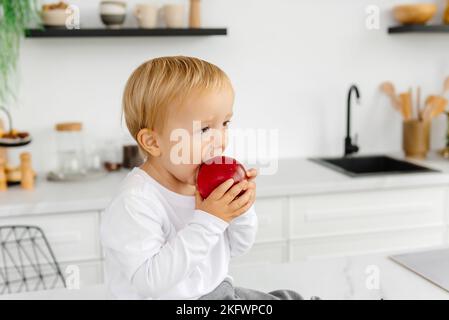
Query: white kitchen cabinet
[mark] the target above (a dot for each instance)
(74, 239)
(367, 242)
(268, 252)
(292, 226)
(89, 272)
(72, 236)
(347, 223)
(272, 216)
(366, 211)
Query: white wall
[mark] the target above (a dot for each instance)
(291, 62)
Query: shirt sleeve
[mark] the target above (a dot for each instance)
(150, 262)
(242, 232)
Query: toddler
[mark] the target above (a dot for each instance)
(161, 239)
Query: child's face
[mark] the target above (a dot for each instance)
(202, 121)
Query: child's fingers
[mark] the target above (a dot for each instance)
(243, 209)
(234, 191)
(241, 201)
(198, 198)
(251, 185)
(251, 173)
(221, 189)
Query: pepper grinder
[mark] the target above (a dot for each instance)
(27, 179)
(3, 182)
(195, 14)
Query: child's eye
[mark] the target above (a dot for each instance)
(226, 123)
(205, 129)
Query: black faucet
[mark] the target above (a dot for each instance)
(349, 147)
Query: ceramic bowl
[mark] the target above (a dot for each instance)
(54, 18)
(414, 13)
(113, 13)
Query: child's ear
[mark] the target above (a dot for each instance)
(147, 140)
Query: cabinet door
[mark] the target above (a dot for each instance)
(84, 273)
(271, 214)
(367, 242)
(343, 213)
(77, 275)
(72, 236)
(275, 252)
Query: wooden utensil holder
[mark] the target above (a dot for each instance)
(416, 138)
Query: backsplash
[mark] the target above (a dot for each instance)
(291, 63)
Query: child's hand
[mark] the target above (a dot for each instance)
(223, 201)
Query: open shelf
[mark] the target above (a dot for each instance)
(123, 32)
(419, 29)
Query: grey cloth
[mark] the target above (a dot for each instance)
(226, 291)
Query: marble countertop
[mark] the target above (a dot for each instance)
(361, 277)
(367, 277)
(295, 176)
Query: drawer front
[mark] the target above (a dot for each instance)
(366, 211)
(270, 213)
(72, 236)
(263, 253)
(85, 273)
(366, 243)
(76, 274)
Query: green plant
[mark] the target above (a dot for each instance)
(15, 17)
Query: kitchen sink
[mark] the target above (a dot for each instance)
(371, 165)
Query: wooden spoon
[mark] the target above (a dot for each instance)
(388, 88)
(440, 104)
(406, 105)
(435, 105)
(446, 86)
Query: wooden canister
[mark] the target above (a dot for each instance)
(416, 138)
(3, 154)
(195, 14)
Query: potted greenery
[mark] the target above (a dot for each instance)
(15, 17)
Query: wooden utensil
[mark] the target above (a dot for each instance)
(406, 105)
(388, 88)
(418, 101)
(425, 113)
(435, 105)
(439, 105)
(446, 86)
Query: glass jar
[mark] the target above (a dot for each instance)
(112, 155)
(70, 149)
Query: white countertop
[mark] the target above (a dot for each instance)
(295, 176)
(328, 278)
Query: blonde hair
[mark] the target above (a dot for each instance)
(159, 82)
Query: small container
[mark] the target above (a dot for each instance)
(70, 149)
(416, 138)
(112, 156)
(131, 156)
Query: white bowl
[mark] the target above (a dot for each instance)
(55, 18)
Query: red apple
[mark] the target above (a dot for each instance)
(217, 170)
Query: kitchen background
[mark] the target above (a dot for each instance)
(291, 63)
(293, 60)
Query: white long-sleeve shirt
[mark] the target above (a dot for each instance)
(158, 246)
